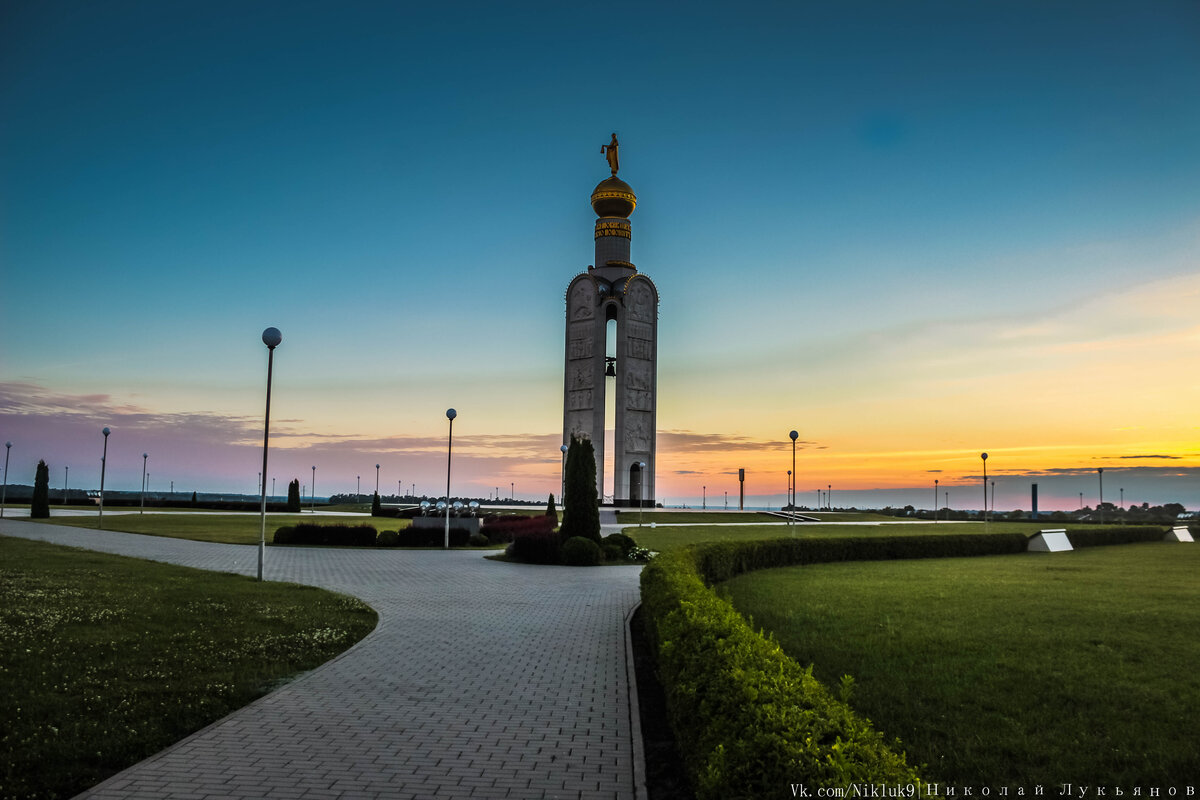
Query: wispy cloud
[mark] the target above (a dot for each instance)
(685, 441)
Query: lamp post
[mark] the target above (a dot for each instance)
(985, 516)
(1122, 498)
(641, 491)
(376, 479)
(450, 415)
(142, 510)
(794, 435)
(1081, 501)
(103, 463)
(829, 496)
(1100, 472)
(312, 492)
(935, 508)
(4, 493)
(66, 483)
(992, 506)
(789, 491)
(271, 337)
(512, 492)
(704, 498)
(272, 488)
(358, 488)
(562, 491)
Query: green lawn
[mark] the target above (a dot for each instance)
(211, 527)
(107, 660)
(1036, 668)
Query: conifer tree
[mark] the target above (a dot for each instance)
(39, 508)
(376, 507)
(581, 515)
(293, 501)
(551, 511)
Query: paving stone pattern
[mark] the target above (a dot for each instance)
(482, 679)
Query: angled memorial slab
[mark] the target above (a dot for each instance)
(1179, 533)
(1052, 540)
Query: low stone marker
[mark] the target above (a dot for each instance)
(1179, 533)
(1051, 540)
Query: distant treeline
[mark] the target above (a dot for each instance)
(1133, 514)
(409, 499)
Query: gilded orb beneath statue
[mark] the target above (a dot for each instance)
(613, 197)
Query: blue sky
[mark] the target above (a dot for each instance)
(833, 198)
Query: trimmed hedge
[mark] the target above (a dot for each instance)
(335, 535)
(750, 721)
(538, 547)
(1098, 537)
(500, 529)
(432, 537)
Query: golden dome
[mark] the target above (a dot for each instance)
(613, 197)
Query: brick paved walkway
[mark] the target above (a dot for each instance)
(482, 679)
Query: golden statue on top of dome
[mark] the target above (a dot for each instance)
(610, 150)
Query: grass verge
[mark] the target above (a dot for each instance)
(108, 659)
(1023, 669)
(211, 527)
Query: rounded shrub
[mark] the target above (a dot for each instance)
(612, 551)
(580, 552)
(285, 535)
(388, 539)
(626, 543)
(478, 540)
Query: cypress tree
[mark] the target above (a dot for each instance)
(293, 501)
(551, 511)
(39, 508)
(581, 517)
(376, 508)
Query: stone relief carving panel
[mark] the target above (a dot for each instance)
(581, 347)
(579, 400)
(638, 433)
(581, 376)
(641, 301)
(583, 300)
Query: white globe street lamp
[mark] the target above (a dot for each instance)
(794, 435)
(142, 510)
(271, 337)
(641, 490)
(985, 514)
(103, 463)
(450, 415)
(4, 494)
(562, 492)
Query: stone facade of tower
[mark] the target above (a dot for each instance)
(613, 289)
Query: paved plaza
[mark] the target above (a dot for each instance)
(482, 679)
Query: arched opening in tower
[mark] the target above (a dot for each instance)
(635, 484)
(610, 405)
